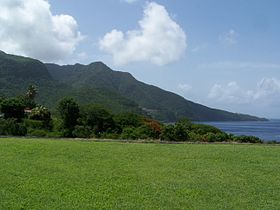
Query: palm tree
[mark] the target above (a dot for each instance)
(31, 92)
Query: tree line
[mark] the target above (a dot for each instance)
(22, 116)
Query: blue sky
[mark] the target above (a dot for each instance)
(222, 53)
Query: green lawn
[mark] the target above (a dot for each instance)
(59, 174)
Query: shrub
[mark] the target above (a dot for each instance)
(110, 136)
(195, 137)
(181, 132)
(82, 131)
(125, 120)
(12, 127)
(41, 113)
(38, 133)
(33, 124)
(152, 128)
(129, 133)
(247, 139)
(221, 137)
(167, 133)
(12, 108)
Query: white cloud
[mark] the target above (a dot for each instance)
(229, 38)
(267, 91)
(29, 28)
(159, 39)
(184, 88)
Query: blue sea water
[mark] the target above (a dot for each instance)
(266, 130)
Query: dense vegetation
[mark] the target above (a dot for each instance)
(97, 83)
(23, 116)
(57, 174)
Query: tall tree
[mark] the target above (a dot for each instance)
(29, 98)
(31, 92)
(69, 112)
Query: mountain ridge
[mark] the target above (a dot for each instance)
(98, 83)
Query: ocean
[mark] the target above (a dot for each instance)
(266, 130)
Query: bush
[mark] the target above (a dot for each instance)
(167, 133)
(181, 132)
(209, 137)
(125, 120)
(12, 127)
(195, 137)
(110, 136)
(152, 128)
(37, 133)
(247, 139)
(34, 124)
(221, 137)
(129, 133)
(42, 114)
(82, 131)
(12, 108)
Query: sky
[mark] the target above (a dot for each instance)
(221, 53)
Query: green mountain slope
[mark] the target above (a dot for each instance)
(97, 83)
(160, 104)
(17, 72)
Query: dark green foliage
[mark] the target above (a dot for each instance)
(82, 131)
(247, 139)
(97, 118)
(42, 114)
(38, 133)
(181, 130)
(12, 108)
(168, 133)
(127, 119)
(69, 112)
(10, 126)
(34, 124)
(178, 132)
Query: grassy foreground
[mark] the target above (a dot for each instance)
(59, 174)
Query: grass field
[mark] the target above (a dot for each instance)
(60, 174)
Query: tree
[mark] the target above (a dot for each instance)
(29, 98)
(41, 113)
(99, 119)
(12, 108)
(69, 112)
(125, 120)
(31, 92)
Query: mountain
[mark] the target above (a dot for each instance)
(97, 83)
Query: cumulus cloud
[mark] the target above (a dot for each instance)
(159, 39)
(27, 27)
(229, 38)
(266, 91)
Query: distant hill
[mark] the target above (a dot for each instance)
(97, 83)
